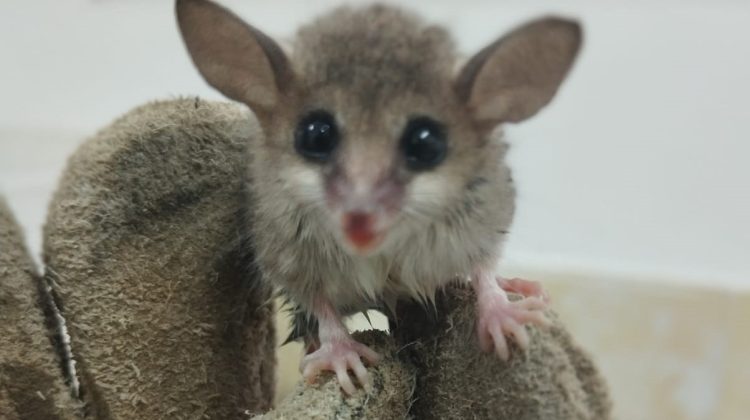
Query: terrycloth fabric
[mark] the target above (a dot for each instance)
(392, 383)
(31, 384)
(554, 379)
(144, 244)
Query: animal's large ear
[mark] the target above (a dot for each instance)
(240, 61)
(517, 75)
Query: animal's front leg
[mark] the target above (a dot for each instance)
(337, 351)
(498, 317)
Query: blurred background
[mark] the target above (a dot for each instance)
(634, 187)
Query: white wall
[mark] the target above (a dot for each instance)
(639, 166)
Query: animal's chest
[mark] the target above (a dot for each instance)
(366, 281)
(359, 282)
(311, 264)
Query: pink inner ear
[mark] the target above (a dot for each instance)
(517, 75)
(514, 104)
(486, 107)
(238, 60)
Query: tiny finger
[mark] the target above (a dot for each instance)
(501, 346)
(344, 380)
(310, 372)
(536, 318)
(521, 286)
(532, 303)
(369, 354)
(360, 372)
(485, 339)
(519, 334)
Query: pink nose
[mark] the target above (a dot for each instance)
(360, 229)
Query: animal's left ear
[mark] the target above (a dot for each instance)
(240, 61)
(517, 75)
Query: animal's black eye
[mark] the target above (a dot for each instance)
(316, 136)
(423, 144)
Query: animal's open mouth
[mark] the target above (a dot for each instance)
(361, 231)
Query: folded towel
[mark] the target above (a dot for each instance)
(435, 349)
(146, 248)
(144, 244)
(392, 385)
(31, 381)
(553, 379)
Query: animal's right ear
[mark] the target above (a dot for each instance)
(517, 75)
(240, 61)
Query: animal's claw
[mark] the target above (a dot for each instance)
(340, 357)
(499, 317)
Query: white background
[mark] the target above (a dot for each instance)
(639, 167)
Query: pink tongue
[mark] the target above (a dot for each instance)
(358, 228)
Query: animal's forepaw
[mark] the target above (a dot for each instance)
(526, 288)
(340, 357)
(499, 317)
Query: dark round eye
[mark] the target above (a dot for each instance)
(316, 136)
(423, 144)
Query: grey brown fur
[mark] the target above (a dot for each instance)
(422, 245)
(420, 249)
(31, 381)
(377, 54)
(373, 72)
(144, 243)
(374, 68)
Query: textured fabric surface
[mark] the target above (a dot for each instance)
(31, 384)
(146, 249)
(390, 396)
(553, 379)
(144, 243)
(434, 370)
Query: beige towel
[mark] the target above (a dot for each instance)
(553, 380)
(144, 242)
(389, 398)
(31, 381)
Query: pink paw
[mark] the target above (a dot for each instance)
(499, 317)
(526, 288)
(340, 357)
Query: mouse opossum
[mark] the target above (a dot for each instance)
(380, 174)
